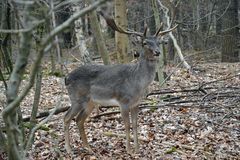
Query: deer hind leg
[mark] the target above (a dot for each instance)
(126, 121)
(134, 114)
(82, 116)
(71, 113)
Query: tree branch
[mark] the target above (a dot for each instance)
(44, 44)
(46, 113)
(165, 10)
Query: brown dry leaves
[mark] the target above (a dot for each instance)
(166, 133)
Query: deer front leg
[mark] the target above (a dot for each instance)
(67, 137)
(125, 117)
(134, 114)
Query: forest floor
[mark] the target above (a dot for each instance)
(193, 116)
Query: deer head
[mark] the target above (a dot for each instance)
(149, 43)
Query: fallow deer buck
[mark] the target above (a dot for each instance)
(120, 85)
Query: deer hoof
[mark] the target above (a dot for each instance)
(68, 148)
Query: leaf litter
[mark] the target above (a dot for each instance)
(196, 116)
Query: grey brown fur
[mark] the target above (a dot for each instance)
(122, 85)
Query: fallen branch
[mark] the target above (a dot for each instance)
(157, 92)
(188, 89)
(186, 101)
(106, 113)
(46, 113)
(178, 145)
(221, 79)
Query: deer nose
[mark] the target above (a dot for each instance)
(157, 52)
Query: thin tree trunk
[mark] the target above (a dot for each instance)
(3, 142)
(81, 40)
(121, 39)
(171, 51)
(5, 38)
(58, 49)
(36, 101)
(2, 79)
(160, 66)
(14, 135)
(101, 46)
(230, 31)
(178, 49)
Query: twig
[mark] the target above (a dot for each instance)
(174, 91)
(182, 146)
(40, 124)
(17, 31)
(220, 79)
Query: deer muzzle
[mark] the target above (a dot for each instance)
(157, 52)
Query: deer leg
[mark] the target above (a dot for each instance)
(71, 113)
(125, 117)
(67, 137)
(134, 114)
(82, 116)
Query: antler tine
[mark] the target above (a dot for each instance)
(111, 23)
(159, 29)
(167, 31)
(145, 30)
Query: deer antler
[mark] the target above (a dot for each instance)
(167, 31)
(160, 27)
(111, 23)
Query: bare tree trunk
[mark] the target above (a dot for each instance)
(102, 50)
(38, 85)
(3, 142)
(5, 38)
(230, 31)
(121, 39)
(63, 15)
(57, 45)
(160, 66)
(81, 40)
(171, 51)
(53, 64)
(178, 49)
(3, 79)
(14, 135)
(36, 97)
(36, 100)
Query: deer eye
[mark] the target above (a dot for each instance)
(144, 43)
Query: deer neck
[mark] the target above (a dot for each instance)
(146, 69)
(148, 62)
